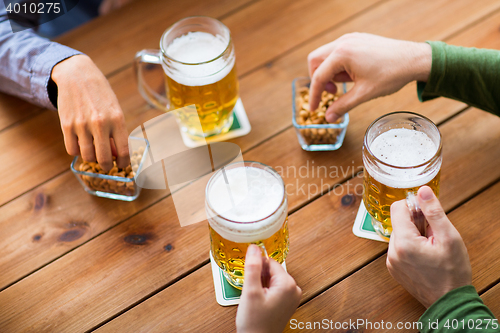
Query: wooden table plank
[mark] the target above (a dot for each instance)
(273, 84)
(322, 230)
(388, 301)
(257, 26)
(40, 226)
(119, 276)
(14, 110)
(112, 40)
(291, 156)
(492, 299)
(124, 82)
(32, 153)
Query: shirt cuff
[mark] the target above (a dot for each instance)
(459, 304)
(427, 90)
(42, 70)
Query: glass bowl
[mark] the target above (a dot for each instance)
(330, 137)
(113, 187)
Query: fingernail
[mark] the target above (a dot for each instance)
(426, 193)
(332, 117)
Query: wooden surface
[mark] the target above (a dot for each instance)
(72, 262)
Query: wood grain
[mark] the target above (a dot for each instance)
(322, 230)
(90, 274)
(14, 110)
(325, 223)
(257, 26)
(492, 300)
(112, 40)
(269, 88)
(388, 301)
(281, 151)
(123, 83)
(34, 152)
(47, 227)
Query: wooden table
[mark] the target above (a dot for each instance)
(66, 260)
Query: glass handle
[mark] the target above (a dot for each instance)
(142, 60)
(417, 217)
(265, 276)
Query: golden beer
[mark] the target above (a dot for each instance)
(198, 61)
(401, 153)
(214, 103)
(379, 197)
(250, 208)
(230, 256)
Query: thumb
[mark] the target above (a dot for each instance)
(346, 102)
(253, 269)
(433, 211)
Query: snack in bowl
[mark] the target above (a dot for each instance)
(117, 183)
(307, 117)
(313, 131)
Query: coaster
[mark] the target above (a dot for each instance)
(363, 225)
(241, 126)
(225, 294)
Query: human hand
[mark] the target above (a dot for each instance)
(427, 267)
(377, 65)
(262, 309)
(91, 118)
(108, 6)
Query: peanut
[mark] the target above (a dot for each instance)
(317, 117)
(112, 186)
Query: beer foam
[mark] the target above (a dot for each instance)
(256, 194)
(402, 147)
(194, 48)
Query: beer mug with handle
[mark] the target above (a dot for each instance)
(198, 61)
(402, 151)
(246, 203)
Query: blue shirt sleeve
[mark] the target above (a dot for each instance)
(26, 62)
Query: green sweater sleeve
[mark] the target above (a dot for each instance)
(460, 310)
(469, 75)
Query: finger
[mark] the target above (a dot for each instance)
(120, 138)
(103, 149)
(331, 87)
(402, 226)
(323, 74)
(433, 211)
(113, 147)
(316, 57)
(275, 269)
(253, 270)
(346, 102)
(87, 149)
(71, 144)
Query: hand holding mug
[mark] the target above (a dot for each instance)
(266, 309)
(427, 267)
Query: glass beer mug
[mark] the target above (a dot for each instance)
(198, 61)
(246, 203)
(401, 153)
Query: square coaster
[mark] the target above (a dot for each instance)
(241, 126)
(363, 225)
(225, 294)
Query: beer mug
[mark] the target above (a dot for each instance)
(401, 153)
(198, 61)
(246, 203)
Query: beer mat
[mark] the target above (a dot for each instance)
(225, 294)
(363, 225)
(241, 126)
